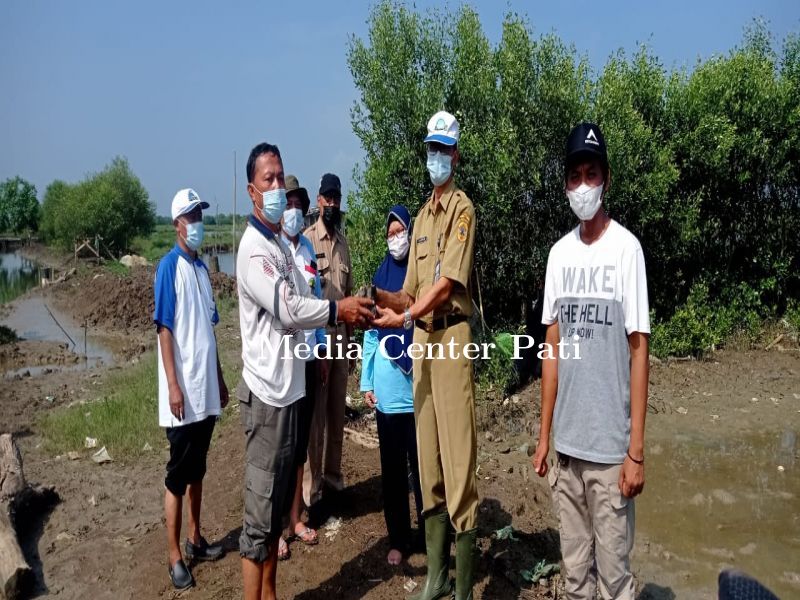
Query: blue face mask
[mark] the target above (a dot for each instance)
(292, 221)
(274, 203)
(194, 235)
(440, 166)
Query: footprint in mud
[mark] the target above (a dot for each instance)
(697, 500)
(722, 553)
(748, 549)
(723, 496)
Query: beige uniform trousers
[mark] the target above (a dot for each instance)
(444, 409)
(324, 463)
(596, 524)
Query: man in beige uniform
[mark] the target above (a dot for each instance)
(436, 299)
(324, 465)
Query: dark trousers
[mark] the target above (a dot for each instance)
(399, 466)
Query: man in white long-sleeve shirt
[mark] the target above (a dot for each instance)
(275, 306)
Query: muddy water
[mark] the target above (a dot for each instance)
(17, 276)
(713, 503)
(225, 262)
(33, 318)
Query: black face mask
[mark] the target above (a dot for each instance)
(331, 216)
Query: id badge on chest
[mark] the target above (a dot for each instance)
(438, 268)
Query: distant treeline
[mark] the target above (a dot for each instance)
(209, 218)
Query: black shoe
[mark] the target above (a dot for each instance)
(203, 550)
(181, 577)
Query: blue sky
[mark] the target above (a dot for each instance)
(177, 87)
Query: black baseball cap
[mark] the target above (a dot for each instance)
(585, 141)
(330, 184)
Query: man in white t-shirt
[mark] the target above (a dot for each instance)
(595, 396)
(191, 390)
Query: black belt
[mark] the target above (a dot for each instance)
(440, 323)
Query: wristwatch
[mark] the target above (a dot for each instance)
(407, 322)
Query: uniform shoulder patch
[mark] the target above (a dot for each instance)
(462, 227)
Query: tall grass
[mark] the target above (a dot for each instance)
(123, 418)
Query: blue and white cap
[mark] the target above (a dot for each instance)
(185, 201)
(443, 129)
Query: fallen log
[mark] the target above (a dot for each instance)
(16, 575)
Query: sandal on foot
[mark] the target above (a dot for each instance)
(308, 536)
(283, 550)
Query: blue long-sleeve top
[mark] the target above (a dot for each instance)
(380, 375)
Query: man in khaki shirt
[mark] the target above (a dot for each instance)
(324, 466)
(436, 299)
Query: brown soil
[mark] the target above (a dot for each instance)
(32, 353)
(105, 539)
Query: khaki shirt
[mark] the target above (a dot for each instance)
(444, 241)
(333, 261)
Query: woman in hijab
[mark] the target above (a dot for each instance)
(386, 379)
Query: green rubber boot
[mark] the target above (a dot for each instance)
(465, 563)
(437, 583)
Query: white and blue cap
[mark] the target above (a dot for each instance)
(443, 129)
(185, 201)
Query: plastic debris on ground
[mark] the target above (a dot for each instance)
(90, 442)
(102, 456)
(332, 527)
(409, 585)
(506, 533)
(542, 570)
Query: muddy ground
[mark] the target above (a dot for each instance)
(105, 538)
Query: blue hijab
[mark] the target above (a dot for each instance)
(390, 277)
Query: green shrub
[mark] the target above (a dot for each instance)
(704, 323)
(496, 376)
(7, 335)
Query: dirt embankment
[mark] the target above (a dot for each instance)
(120, 303)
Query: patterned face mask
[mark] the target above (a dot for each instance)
(398, 245)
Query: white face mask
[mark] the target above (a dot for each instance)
(292, 221)
(585, 200)
(398, 245)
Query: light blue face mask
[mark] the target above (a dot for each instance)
(194, 235)
(440, 166)
(274, 203)
(292, 221)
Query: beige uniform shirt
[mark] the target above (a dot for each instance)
(443, 245)
(333, 261)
